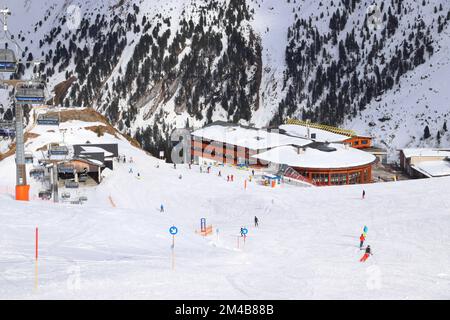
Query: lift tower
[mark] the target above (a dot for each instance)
(22, 188)
(24, 93)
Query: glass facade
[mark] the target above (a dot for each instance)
(336, 178)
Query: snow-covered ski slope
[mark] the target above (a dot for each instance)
(305, 248)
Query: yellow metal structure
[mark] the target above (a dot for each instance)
(344, 132)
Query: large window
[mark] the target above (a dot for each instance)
(366, 175)
(354, 177)
(339, 178)
(321, 178)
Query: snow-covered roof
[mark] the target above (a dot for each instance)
(96, 150)
(254, 139)
(343, 157)
(439, 168)
(87, 160)
(321, 135)
(426, 152)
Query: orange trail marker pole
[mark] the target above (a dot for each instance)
(173, 252)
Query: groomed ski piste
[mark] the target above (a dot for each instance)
(118, 245)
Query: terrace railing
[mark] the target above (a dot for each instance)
(293, 174)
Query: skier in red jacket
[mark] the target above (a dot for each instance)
(361, 239)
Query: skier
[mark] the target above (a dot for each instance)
(232, 178)
(220, 173)
(361, 239)
(189, 166)
(174, 165)
(162, 208)
(365, 231)
(253, 172)
(180, 177)
(366, 254)
(228, 178)
(131, 170)
(124, 159)
(242, 232)
(256, 221)
(363, 194)
(138, 175)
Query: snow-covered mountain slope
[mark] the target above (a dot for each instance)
(152, 66)
(422, 99)
(118, 244)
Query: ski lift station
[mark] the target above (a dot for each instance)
(71, 166)
(316, 155)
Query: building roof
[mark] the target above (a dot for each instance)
(321, 135)
(254, 139)
(341, 157)
(426, 152)
(85, 160)
(439, 168)
(96, 150)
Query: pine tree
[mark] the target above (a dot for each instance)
(426, 133)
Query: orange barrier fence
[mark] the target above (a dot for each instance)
(208, 231)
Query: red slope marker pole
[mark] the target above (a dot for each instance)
(37, 244)
(36, 283)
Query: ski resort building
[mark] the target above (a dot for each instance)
(425, 163)
(323, 164)
(233, 144)
(314, 160)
